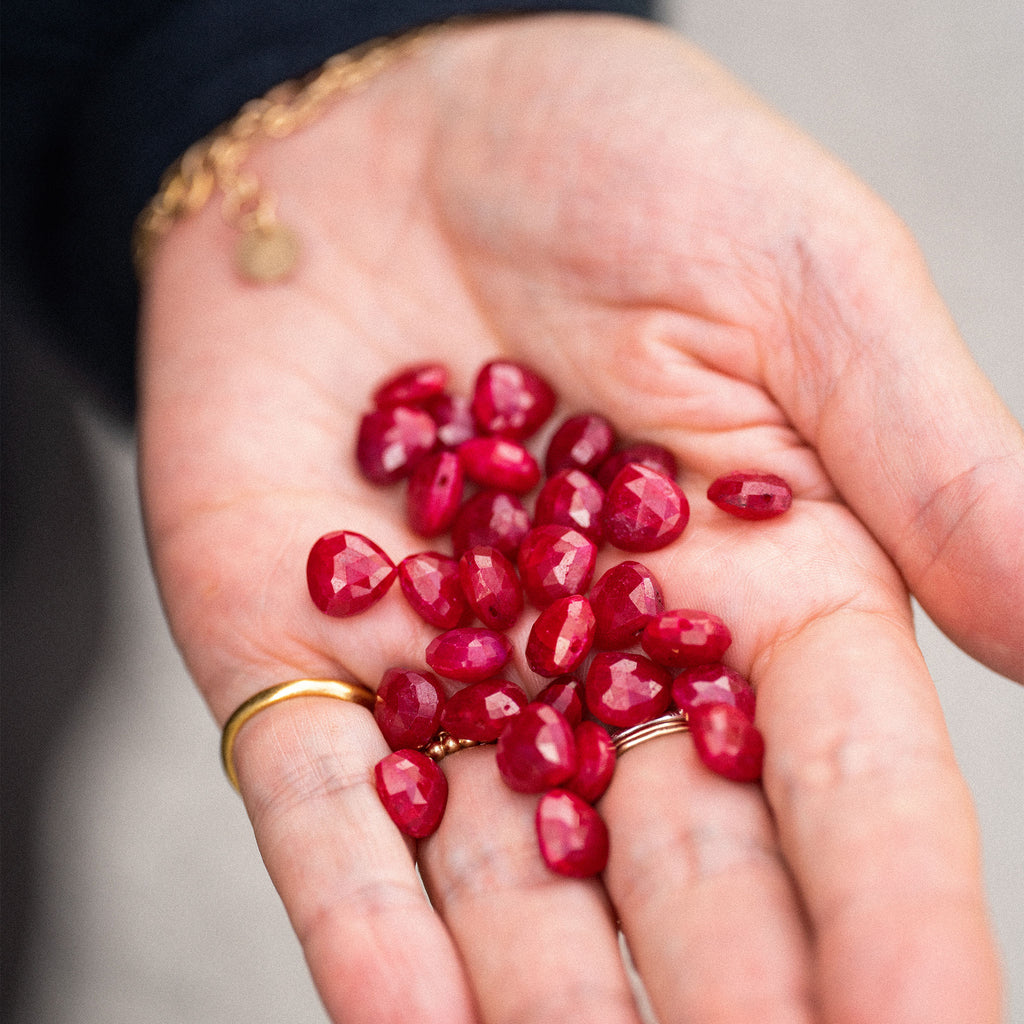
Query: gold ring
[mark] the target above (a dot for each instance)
(675, 721)
(285, 691)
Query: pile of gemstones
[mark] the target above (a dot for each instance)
(616, 657)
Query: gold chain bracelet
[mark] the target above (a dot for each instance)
(268, 250)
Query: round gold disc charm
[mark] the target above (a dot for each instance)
(267, 254)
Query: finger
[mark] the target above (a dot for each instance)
(375, 948)
(705, 901)
(911, 432)
(538, 947)
(876, 824)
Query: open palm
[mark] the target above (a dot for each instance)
(593, 197)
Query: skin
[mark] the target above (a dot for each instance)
(594, 197)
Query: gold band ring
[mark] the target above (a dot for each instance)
(636, 734)
(335, 688)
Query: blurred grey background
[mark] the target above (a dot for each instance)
(148, 900)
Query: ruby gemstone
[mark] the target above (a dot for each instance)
(572, 836)
(683, 637)
(555, 561)
(481, 710)
(624, 600)
(727, 741)
(713, 684)
(571, 498)
(581, 442)
(751, 495)
(644, 510)
(499, 462)
(413, 790)
(511, 399)
(561, 636)
(408, 708)
(653, 456)
(454, 419)
(626, 689)
(391, 441)
(469, 653)
(536, 750)
(595, 754)
(430, 583)
(491, 518)
(412, 386)
(564, 695)
(434, 493)
(347, 573)
(491, 586)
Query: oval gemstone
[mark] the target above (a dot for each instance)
(644, 510)
(413, 790)
(685, 637)
(434, 493)
(480, 711)
(653, 456)
(624, 600)
(491, 586)
(469, 653)
(454, 419)
(430, 583)
(713, 684)
(391, 441)
(347, 573)
(751, 495)
(555, 561)
(727, 741)
(536, 750)
(571, 498)
(564, 695)
(408, 708)
(572, 836)
(491, 519)
(499, 462)
(412, 386)
(561, 636)
(511, 399)
(626, 689)
(595, 754)
(581, 442)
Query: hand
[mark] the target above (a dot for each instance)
(594, 197)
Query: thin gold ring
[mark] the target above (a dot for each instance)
(673, 722)
(335, 688)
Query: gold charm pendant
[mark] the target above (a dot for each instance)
(267, 254)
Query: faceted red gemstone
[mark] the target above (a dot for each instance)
(480, 711)
(536, 750)
(685, 637)
(412, 386)
(727, 741)
(643, 510)
(563, 694)
(555, 561)
(491, 586)
(751, 495)
(454, 419)
(469, 653)
(511, 399)
(713, 684)
(491, 518)
(434, 493)
(572, 836)
(346, 573)
(413, 790)
(653, 456)
(571, 498)
(595, 753)
(581, 442)
(430, 583)
(626, 689)
(391, 441)
(561, 636)
(624, 600)
(499, 462)
(408, 708)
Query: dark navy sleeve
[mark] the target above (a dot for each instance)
(100, 97)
